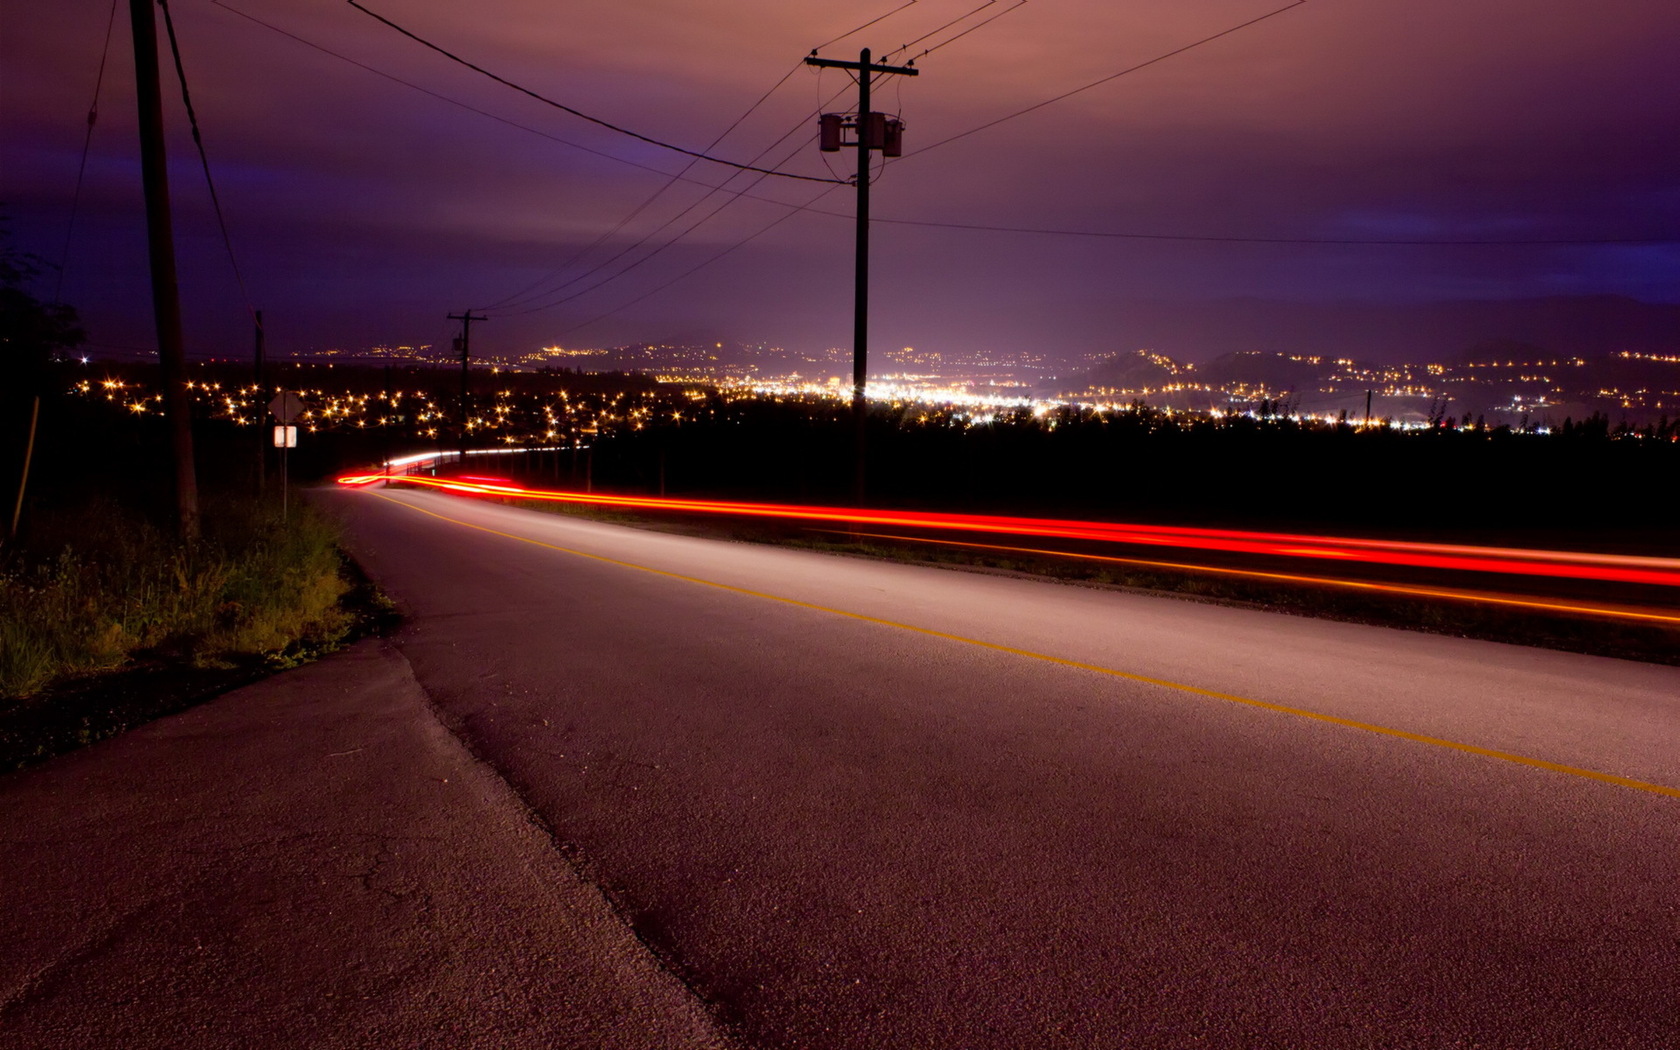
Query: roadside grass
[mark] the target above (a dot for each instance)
(106, 622)
(109, 586)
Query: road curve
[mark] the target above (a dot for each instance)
(864, 804)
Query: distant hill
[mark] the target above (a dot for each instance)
(1500, 380)
(1253, 368)
(1383, 332)
(1493, 351)
(1157, 378)
(1137, 370)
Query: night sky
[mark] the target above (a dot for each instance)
(363, 211)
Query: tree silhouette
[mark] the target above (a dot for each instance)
(32, 334)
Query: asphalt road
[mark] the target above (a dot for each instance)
(861, 804)
(309, 862)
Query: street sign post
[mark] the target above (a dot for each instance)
(286, 407)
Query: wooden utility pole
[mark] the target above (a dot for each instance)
(262, 398)
(29, 454)
(466, 318)
(166, 296)
(871, 135)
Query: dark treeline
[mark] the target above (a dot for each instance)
(86, 450)
(1144, 464)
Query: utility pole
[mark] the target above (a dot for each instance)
(166, 296)
(466, 318)
(874, 131)
(262, 398)
(29, 453)
(385, 427)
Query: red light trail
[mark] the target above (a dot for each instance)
(1611, 568)
(1479, 597)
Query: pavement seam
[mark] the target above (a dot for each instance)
(570, 854)
(40, 985)
(1265, 705)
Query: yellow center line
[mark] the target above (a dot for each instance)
(1163, 683)
(1324, 581)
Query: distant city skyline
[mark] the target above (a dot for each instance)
(1501, 384)
(364, 210)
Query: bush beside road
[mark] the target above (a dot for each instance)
(106, 622)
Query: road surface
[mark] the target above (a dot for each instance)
(313, 862)
(863, 804)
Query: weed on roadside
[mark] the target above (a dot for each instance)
(103, 586)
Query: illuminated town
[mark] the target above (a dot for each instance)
(559, 395)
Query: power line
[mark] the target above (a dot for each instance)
(538, 307)
(686, 273)
(1380, 242)
(501, 119)
(977, 227)
(671, 178)
(1219, 239)
(865, 25)
(734, 196)
(203, 158)
(454, 101)
(523, 294)
(87, 143)
(793, 208)
(738, 194)
(979, 25)
(1104, 80)
(578, 113)
(905, 47)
